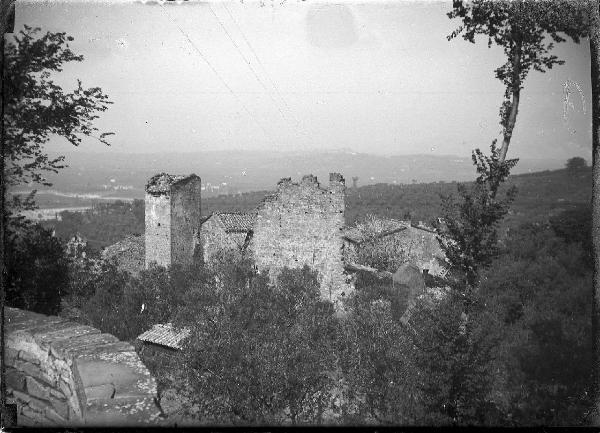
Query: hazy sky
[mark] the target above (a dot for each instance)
(372, 77)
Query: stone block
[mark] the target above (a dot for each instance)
(21, 396)
(33, 370)
(37, 389)
(15, 379)
(92, 351)
(11, 355)
(38, 405)
(55, 418)
(66, 388)
(28, 417)
(100, 392)
(34, 325)
(64, 348)
(57, 394)
(60, 406)
(71, 331)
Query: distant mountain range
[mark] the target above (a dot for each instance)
(230, 172)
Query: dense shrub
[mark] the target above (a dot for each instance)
(37, 276)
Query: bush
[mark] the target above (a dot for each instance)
(37, 276)
(259, 353)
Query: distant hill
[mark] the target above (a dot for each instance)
(100, 176)
(540, 196)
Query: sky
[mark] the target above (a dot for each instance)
(377, 77)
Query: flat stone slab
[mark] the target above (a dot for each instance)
(33, 324)
(75, 330)
(123, 370)
(103, 376)
(93, 351)
(78, 344)
(122, 413)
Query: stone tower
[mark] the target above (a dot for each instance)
(172, 218)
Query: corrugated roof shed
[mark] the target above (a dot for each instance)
(165, 335)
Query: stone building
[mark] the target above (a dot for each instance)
(225, 232)
(128, 253)
(300, 224)
(418, 243)
(172, 218)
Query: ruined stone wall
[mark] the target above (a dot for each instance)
(214, 239)
(60, 373)
(300, 225)
(185, 220)
(423, 249)
(158, 229)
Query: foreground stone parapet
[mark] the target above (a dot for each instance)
(61, 373)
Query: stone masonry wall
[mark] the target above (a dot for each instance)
(423, 249)
(60, 373)
(301, 225)
(158, 229)
(214, 239)
(185, 219)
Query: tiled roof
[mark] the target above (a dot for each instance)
(237, 222)
(162, 182)
(391, 226)
(128, 243)
(129, 253)
(422, 226)
(352, 234)
(165, 335)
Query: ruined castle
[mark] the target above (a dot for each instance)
(299, 224)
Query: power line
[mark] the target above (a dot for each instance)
(217, 74)
(246, 61)
(256, 57)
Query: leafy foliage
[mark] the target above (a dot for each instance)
(37, 269)
(469, 236)
(259, 353)
(523, 29)
(37, 108)
(380, 384)
(103, 224)
(538, 288)
(576, 163)
(126, 305)
(456, 360)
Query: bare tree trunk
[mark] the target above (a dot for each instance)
(595, 79)
(514, 105)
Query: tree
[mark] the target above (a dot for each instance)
(521, 28)
(456, 362)
(258, 353)
(538, 290)
(575, 163)
(37, 108)
(37, 270)
(376, 359)
(469, 235)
